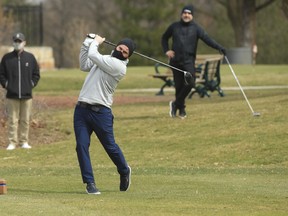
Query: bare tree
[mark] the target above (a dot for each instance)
(56, 22)
(7, 25)
(68, 21)
(285, 7)
(73, 41)
(242, 15)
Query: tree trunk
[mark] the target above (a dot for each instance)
(241, 14)
(285, 7)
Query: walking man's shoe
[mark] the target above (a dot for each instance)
(125, 181)
(91, 189)
(182, 113)
(173, 109)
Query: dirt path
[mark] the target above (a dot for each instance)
(40, 134)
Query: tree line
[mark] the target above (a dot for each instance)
(233, 23)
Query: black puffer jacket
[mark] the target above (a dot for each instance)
(185, 40)
(19, 74)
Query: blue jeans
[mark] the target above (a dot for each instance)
(100, 122)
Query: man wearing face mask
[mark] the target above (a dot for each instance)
(19, 74)
(93, 110)
(185, 35)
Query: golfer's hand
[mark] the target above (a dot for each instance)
(89, 39)
(99, 39)
(170, 54)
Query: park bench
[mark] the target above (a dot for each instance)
(207, 76)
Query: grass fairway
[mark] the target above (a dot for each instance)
(220, 160)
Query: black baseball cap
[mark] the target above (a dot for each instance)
(18, 36)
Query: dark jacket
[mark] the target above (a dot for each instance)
(19, 74)
(185, 39)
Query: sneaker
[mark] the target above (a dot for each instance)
(91, 189)
(182, 113)
(11, 147)
(125, 181)
(26, 146)
(173, 109)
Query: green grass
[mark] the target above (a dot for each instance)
(63, 81)
(218, 161)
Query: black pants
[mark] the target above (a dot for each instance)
(182, 90)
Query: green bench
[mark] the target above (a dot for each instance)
(207, 76)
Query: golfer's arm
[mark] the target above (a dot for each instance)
(85, 63)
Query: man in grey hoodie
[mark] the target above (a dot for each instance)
(93, 111)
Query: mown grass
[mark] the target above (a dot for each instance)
(220, 160)
(63, 81)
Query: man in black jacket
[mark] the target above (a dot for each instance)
(185, 34)
(19, 74)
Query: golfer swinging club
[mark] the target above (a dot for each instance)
(93, 110)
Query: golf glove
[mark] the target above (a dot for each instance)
(91, 35)
(89, 39)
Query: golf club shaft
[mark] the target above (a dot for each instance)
(239, 85)
(147, 57)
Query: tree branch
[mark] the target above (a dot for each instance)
(265, 4)
(285, 7)
(222, 2)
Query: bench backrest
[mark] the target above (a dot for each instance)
(212, 68)
(202, 58)
(210, 73)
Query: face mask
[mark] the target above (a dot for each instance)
(118, 54)
(18, 45)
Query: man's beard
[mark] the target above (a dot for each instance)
(118, 54)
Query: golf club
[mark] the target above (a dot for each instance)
(253, 112)
(187, 76)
